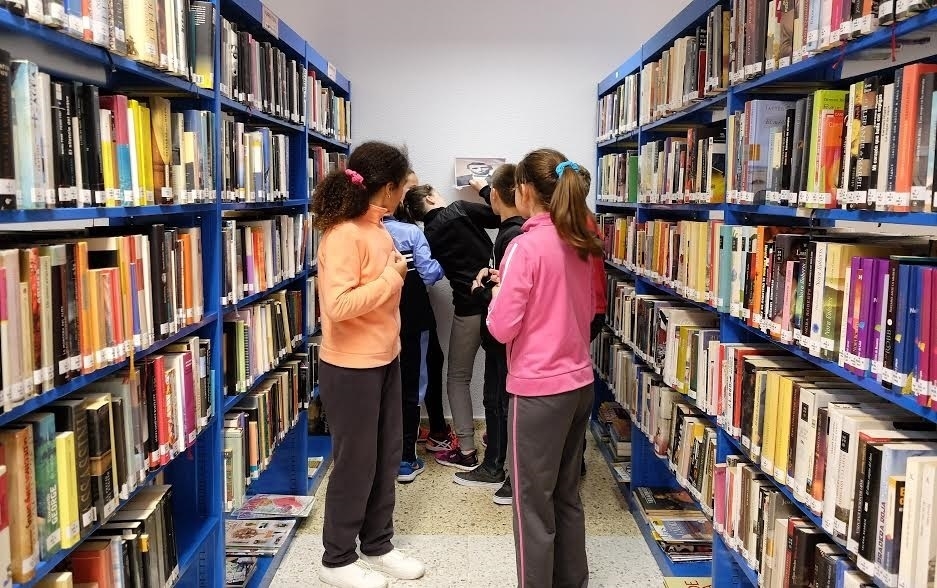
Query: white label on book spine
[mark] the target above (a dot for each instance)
(920, 387)
(270, 22)
(784, 62)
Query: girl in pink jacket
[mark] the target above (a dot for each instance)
(541, 310)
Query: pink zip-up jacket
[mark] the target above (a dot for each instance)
(542, 312)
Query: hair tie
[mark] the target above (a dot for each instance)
(356, 178)
(562, 167)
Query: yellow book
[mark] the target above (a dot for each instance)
(109, 157)
(68, 488)
(161, 148)
(769, 430)
(782, 440)
(684, 333)
(56, 580)
(139, 188)
(146, 150)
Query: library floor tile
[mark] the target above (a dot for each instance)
(466, 540)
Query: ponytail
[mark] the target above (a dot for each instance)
(562, 187)
(569, 212)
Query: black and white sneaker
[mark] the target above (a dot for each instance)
(480, 477)
(505, 494)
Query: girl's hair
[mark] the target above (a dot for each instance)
(345, 194)
(503, 181)
(563, 195)
(414, 202)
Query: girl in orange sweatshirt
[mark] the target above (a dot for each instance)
(360, 279)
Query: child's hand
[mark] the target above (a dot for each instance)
(397, 262)
(477, 184)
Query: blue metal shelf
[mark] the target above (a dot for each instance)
(111, 212)
(189, 555)
(289, 203)
(750, 574)
(43, 399)
(629, 137)
(318, 137)
(630, 66)
(321, 65)
(248, 300)
(694, 113)
(259, 116)
(928, 219)
(321, 446)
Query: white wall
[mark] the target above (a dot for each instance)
(481, 78)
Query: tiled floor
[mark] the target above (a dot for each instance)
(466, 540)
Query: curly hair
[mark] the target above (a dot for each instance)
(337, 198)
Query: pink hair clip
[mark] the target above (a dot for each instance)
(356, 178)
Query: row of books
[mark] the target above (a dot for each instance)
(677, 169)
(681, 530)
(70, 308)
(618, 111)
(687, 71)
(258, 337)
(68, 466)
(313, 311)
(255, 163)
(66, 145)
(329, 114)
(137, 548)
(765, 36)
(765, 529)
(259, 254)
(259, 422)
(614, 429)
(617, 177)
(321, 162)
(260, 75)
(834, 446)
(866, 147)
(171, 35)
(740, 42)
(675, 429)
(854, 299)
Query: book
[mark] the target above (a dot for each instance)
(256, 537)
(264, 506)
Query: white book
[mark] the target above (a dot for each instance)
(884, 153)
(924, 556)
(780, 552)
(910, 523)
(816, 311)
(811, 401)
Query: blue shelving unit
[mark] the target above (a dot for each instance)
(823, 69)
(195, 474)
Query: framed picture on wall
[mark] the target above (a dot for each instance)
(469, 168)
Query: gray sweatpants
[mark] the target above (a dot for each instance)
(363, 410)
(464, 342)
(545, 441)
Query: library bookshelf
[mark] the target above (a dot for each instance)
(670, 123)
(300, 119)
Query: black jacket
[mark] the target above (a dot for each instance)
(509, 229)
(458, 239)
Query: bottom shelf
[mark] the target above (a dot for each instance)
(190, 555)
(734, 563)
(317, 445)
(668, 567)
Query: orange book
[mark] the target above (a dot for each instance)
(188, 303)
(126, 298)
(260, 260)
(832, 125)
(117, 313)
(907, 127)
(91, 562)
(85, 337)
(765, 235)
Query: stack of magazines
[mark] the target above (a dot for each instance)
(275, 506)
(255, 538)
(680, 528)
(238, 571)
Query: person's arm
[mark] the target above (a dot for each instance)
(342, 294)
(481, 215)
(485, 193)
(428, 268)
(506, 313)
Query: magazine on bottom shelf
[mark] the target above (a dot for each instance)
(238, 571)
(275, 506)
(257, 537)
(314, 463)
(681, 582)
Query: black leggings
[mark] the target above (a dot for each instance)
(421, 362)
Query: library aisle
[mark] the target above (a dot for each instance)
(465, 539)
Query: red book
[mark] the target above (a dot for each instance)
(923, 376)
(907, 127)
(91, 563)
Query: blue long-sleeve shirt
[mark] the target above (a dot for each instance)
(416, 314)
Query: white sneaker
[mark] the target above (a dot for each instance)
(397, 564)
(356, 575)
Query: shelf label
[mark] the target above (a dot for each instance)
(270, 22)
(331, 71)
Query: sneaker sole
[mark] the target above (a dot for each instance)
(329, 582)
(502, 501)
(436, 448)
(474, 484)
(455, 465)
(410, 477)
